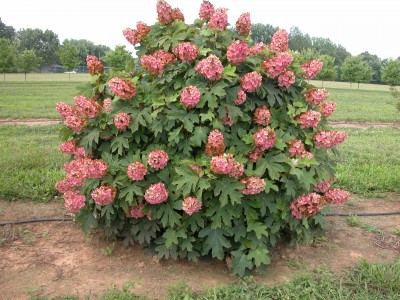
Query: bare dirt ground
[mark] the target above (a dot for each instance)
(57, 259)
(361, 125)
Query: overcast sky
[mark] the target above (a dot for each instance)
(358, 25)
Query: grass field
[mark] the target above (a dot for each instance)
(370, 161)
(38, 97)
(369, 164)
(30, 162)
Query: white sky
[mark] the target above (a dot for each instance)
(358, 25)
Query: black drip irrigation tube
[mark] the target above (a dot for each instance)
(391, 213)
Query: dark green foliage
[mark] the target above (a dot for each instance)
(230, 225)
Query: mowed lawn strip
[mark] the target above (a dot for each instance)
(364, 106)
(369, 161)
(30, 162)
(33, 100)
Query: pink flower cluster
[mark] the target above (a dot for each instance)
(165, 57)
(80, 153)
(316, 96)
(152, 64)
(262, 116)
(136, 171)
(329, 139)
(71, 116)
(178, 15)
(136, 211)
(337, 196)
(225, 164)
(286, 78)
(323, 186)
(190, 96)
(277, 64)
(156, 193)
(123, 88)
(107, 105)
(296, 147)
(241, 98)
(121, 121)
(237, 52)
(312, 68)
(219, 19)
(69, 147)
(87, 107)
(264, 139)
(327, 108)
(135, 36)
(190, 205)
(250, 82)
(309, 119)
(78, 170)
(253, 185)
(206, 10)
(307, 205)
(215, 144)
(158, 159)
(74, 200)
(94, 65)
(186, 51)
(243, 24)
(257, 48)
(104, 195)
(210, 67)
(280, 41)
(164, 12)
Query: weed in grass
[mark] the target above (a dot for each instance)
(370, 228)
(321, 239)
(28, 237)
(353, 221)
(2, 240)
(124, 294)
(296, 264)
(396, 231)
(108, 251)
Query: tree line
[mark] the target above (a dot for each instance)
(27, 50)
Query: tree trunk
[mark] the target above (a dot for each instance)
(358, 85)
(322, 82)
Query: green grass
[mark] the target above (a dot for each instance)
(364, 282)
(370, 161)
(20, 100)
(30, 162)
(364, 105)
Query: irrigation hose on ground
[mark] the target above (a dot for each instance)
(391, 213)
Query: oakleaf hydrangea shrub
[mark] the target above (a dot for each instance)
(211, 145)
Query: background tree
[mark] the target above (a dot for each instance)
(86, 47)
(28, 61)
(69, 58)
(45, 44)
(8, 54)
(118, 59)
(391, 75)
(375, 63)
(299, 41)
(354, 69)
(6, 32)
(262, 32)
(329, 70)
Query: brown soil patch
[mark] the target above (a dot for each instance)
(57, 258)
